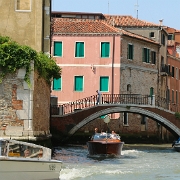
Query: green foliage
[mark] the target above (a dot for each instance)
(177, 115)
(14, 56)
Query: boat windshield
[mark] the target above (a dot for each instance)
(101, 136)
(3, 148)
(21, 150)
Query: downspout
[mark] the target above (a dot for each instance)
(50, 36)
(42, 43)
(113, 51)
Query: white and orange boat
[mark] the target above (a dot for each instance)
(22, 160)
(105, 143)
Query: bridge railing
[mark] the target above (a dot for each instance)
(104, 99)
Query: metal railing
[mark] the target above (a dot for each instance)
(91, 101)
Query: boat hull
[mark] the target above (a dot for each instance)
(177, 147)
(103, 147)
(29, 170)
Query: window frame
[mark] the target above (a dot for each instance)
(20, 10)
(130, 52)
(60, 87)
(146, 55)
(82, 83)
(102, 89)
(125, 119)
(101, 49)
(153, 57)
(77, 49)
(61, 49)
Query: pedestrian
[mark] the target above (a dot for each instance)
(96, 130)
(98, 97)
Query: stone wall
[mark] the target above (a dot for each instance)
(24, 109)
(41, 106)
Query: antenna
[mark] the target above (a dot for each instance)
(108, 6)
(137, 5)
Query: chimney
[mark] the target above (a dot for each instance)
(161, 22)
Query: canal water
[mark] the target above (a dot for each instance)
(137, 162)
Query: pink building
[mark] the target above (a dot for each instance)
(89, 55)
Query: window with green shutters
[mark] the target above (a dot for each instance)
(78, 83)
(104, 83)
(145, 55)
(57, 84)
(58, 48)
(79, 51)
(151, 91)
(105, 49)
(130, 51)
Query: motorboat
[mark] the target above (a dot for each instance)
(27, 161)
(105, 143)
(176, 145)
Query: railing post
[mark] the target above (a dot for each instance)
(61, 110)
(152, 100)
(100, 98)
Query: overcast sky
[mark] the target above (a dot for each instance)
(148, 10)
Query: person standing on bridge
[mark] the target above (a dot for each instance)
(98, 97)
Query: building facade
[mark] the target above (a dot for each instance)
(23, 114)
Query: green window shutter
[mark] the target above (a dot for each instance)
(143, 54)
(78, 83)
(79, 49)
(151, 91)
(148, 55)
(57, 84)
(58, 49)
(130, 51)
(105, 49)
(104, 84)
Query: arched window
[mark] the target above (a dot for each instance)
(129, 88)
(151, 91)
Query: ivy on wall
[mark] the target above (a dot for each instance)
(14, 56)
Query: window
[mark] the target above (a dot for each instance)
(57, 84)
(151, 91)
(105, 49)
(78, 83)
(23, 5)
(177, 75)
(151, 35)
(153, 57)
(170, 37)
(143, 123)
(79, 51)
(57, 48)
(145, 55)
(176, 97)
(130, 51)
(104, 84)
(125, 119)
(172, 96)
(163, 39)
(143, 119)
(172, 71)
(129, 88)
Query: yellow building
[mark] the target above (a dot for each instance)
(27, 22)
(24, 112)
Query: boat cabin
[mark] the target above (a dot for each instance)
(18, 149)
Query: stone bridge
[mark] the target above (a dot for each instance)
(69, 119)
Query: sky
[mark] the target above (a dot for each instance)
(147, 10)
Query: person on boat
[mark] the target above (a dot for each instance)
(26, 153)
(96, 130)
(113, 135)
(40, 153)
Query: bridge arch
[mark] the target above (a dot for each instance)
(161, 120)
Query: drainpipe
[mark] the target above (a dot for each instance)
(113, 51)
